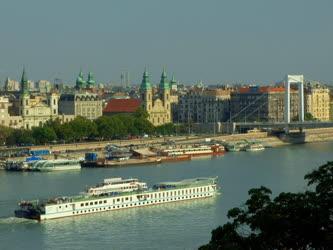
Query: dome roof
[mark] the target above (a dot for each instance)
(79, 81)
(145, 84)
(91, 80)
(164, 84)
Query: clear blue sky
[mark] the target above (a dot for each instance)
(213, 41)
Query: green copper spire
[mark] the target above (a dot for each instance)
(145, 84)
(173, 81)
(24, 83)
(80, 83)
(91, 82)
(164, 84)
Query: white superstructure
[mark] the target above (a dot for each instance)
(117, 185)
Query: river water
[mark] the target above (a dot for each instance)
(182, 225)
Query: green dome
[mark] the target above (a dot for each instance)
(145, 84)
(91, 80)
(80, 83)
(164, 84)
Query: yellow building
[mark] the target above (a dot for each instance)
(158, 107)
(317, 102)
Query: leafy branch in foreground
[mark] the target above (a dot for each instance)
(289, 221)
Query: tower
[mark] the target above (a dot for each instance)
(146, 92)
(24, 83)
(24, 95)
(91, 81)
(164, 90)
(53, 102)
(80, 83)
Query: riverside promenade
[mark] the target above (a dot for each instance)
(77, 150)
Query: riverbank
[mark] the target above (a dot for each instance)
(77, 150)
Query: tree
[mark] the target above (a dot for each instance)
(20, 137)
(309, 117)
(44, 134)
(5, 132)
(141, 113)
(166, 129)
(83, 128)
(289, 221)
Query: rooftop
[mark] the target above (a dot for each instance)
(122, 106)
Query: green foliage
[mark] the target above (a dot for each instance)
(43, 135)
(20, 137)
(289, 221)
(166, 129)
(5, 132)
(104, 128)
(309, 117)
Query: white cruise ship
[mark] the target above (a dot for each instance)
(118, 194)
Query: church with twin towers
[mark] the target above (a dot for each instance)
(157, 102)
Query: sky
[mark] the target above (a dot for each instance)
(214, 41)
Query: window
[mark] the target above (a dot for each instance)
(95, 202)
(91, 203)
(104, 201)
(82, 204)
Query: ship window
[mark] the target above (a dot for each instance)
(100, 202)
(122, 199)
(91, 203)
(87, 203)
(95, 202)
(126, 199)
(118, 199)
(130, 198)
(82, 204)
(104, 201)
(59, 206)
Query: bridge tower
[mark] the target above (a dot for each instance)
(299, 80)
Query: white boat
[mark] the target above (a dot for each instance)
(252, 147)
(55, 165)
(194, 150)
(115, 197)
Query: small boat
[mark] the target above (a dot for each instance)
(253, 147)
(194, 151)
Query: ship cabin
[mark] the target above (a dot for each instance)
(117, 185)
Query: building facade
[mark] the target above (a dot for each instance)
(88, 105)
(157, 106)
(261, 104)
(317, 102)
(200, 105)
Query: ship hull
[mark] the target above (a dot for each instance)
(104, 204)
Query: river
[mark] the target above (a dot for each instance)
(182, 225)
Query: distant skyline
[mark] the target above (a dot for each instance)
(215, 41)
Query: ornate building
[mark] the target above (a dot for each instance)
(159, 106)
(35, 110)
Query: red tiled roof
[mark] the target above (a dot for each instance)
(122, 106)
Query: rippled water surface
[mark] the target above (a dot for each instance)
(182, 225)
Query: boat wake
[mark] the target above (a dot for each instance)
(15, 220)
